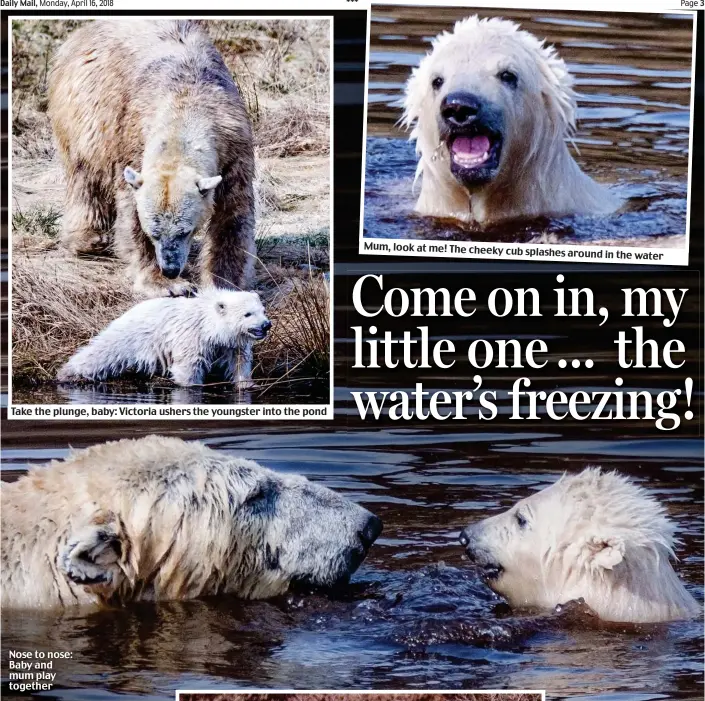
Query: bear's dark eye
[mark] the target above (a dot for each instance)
(220, 306)
(509, 78)
(521, 520)
(248, 314)
(437, 83)
(263, 500)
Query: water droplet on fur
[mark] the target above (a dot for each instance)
(437, 153)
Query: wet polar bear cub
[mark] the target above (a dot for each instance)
(490, 108)
(159, 518)
(184, 336)
(595, 536)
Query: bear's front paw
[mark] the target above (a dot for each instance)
(91, 554)
(87, 243)
(149, 288)
(181, 288)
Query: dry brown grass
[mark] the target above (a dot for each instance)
(300, 337)
(281, 68)
(60, 302)
(33, 44)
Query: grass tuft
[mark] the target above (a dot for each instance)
(58, 305)
(37, 222)
(299, 341)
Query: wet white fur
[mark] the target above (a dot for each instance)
(159, 518)
(595, 535)
(182, 336)
(537, 174)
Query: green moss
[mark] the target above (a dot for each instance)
(37, 222)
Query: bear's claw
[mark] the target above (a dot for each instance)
(90, 556)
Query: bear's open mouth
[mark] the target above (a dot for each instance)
(350, 561)
(257, 332)
(491, 571)
(474, 154)
(487, 568)
(307, 584)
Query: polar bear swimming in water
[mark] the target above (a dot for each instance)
(490, 108)
(594, 536)
(159, 518)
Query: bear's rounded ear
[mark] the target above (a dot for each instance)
(605, 553)
(557, 90)
(133, 178)
(204, 185)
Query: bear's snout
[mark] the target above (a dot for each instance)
(468, 539)
(171, 272)
(171, 262)
(259, 332)
(366, 536)
(459, 109)
(172, 254)
(479, 555)
(371, 531)
(471, 128)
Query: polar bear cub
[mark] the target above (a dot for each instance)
(594, 536)
(184, 337)
(490, 108)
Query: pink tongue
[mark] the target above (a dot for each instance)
(475, 146)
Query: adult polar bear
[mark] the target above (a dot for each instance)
(156, 145)
(158, 518)
(594, 536)
(490, 108)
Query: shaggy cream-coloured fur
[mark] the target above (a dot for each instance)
(156, 145)
(159, 518)
(595, 536)
(490, 108)
(184, 337)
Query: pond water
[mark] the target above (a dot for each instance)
(415, 615)
(633, 76)
(161, 391)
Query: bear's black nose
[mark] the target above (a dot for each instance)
(371, 531)
(266, 325)
(464, 540)
(171, 272)
(459, 109)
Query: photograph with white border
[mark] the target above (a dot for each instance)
(171, 216)
(354, 695)
(528, 134)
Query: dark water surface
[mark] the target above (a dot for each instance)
(162, 391)
(415, 615)
(633, 76)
